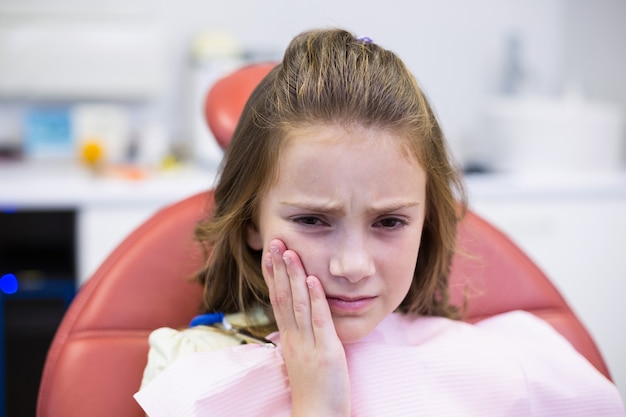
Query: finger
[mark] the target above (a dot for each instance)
(299, 293)
(268, 276)
(282, 303)
(321, 319)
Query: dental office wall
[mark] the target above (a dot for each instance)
(461, 52)
(153, 59)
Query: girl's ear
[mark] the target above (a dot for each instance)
(253, 237)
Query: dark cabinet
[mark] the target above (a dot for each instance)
(37, 282)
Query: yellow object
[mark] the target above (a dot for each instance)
(169, 162)
(92, 152)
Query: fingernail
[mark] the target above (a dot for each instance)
(274, 249)
(287, 260)
(309, 282)
(268, 262)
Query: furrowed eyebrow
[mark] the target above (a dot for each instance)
(329, 207)
(336, 208)
(393, 206)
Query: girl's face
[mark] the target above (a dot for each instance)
(351, 203)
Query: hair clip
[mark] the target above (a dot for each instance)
(365, 40)
(209, 319)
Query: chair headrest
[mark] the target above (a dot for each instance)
(226, 99)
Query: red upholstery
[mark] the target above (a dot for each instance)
(496, 276)
(96, 359)
(227, 97)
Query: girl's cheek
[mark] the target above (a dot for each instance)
(312, 261)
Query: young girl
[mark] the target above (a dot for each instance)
(337, 177)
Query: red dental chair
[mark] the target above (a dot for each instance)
(96, 360)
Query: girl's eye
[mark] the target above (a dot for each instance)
(308, 221)
(390, 223)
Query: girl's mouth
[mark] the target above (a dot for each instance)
(349, 305)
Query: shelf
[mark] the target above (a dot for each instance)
(57, 184)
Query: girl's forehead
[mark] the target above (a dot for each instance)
(353, 168)
(321, 158)
(350, 134)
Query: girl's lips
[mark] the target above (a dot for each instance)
(349, 305)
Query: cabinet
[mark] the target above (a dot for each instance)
(38, 280)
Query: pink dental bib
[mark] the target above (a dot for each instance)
(510, 365)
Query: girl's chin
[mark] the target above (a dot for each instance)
(348, 333)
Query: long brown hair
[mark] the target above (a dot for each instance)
(328, 77)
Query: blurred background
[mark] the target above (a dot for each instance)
(101, 124)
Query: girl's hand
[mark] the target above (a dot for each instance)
(314, 355)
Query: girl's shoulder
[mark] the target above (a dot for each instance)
(167, 345)
(178, 342)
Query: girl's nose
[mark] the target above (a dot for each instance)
(351, 259)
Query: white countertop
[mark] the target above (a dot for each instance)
(50, 184)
